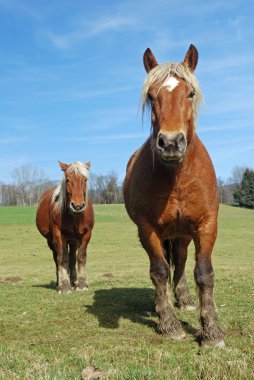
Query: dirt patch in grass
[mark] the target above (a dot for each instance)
(11, 280)
(108, 275)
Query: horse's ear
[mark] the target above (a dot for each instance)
(191, 58)
(63, 166)
(149, 60)
(88, 164)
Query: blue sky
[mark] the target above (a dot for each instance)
(71, 73)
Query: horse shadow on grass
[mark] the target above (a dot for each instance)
(110, 305)
(134, 304)
(52, 285)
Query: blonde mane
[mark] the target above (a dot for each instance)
(161, 73)
(59, 195)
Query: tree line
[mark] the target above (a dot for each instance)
(238, 189)
(30, 183)
(26, 188)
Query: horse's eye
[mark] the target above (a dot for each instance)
(67, 180)
(191, 94)
(150, 97)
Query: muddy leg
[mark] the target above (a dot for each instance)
(51, 246)
(181, 289)
(210, 334)
(72, 263)
(159, 272)
(82, 284)
(61, 248)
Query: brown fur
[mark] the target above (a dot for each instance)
(68, 232)
(175, 200)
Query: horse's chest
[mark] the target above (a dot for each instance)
(171, 214)
(174, 215)
(74, 231)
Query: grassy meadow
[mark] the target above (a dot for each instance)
(44, 335)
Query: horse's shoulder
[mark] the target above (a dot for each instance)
(132, 159)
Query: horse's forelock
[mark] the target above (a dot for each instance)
(162, 73)
(79, 169)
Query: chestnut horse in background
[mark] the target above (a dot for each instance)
(170, 192)
(65, 218)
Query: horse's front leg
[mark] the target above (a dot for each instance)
(61, 248)
(82, 283)
(72, 263)
(159, 272)
(210, 334)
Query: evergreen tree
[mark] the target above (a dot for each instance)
(244, 195)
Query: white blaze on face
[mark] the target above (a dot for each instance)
(171, 83)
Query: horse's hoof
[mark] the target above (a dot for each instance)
(84, 289)
(178, 335)
(186, 305)
(213, 343)
(65, 291)
(190, 307)
(173, 331)
(64, 288)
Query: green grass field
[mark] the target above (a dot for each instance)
(44, 335)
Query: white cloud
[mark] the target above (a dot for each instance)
(226, 62)
(88, 30)
(227, 127)
(103, 138)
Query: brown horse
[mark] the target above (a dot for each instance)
(65, 218)
(170, 192)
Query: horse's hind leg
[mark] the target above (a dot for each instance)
(159, 272)
(72, 264)
(51, 246)
(176, 251)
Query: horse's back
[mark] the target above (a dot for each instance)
(43, 213)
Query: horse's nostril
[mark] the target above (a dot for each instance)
(161, 142)
(181, 139)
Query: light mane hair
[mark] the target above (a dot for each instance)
(161, 73)
(59, 195)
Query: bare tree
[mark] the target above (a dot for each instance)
(221, 188)
(9, 196)
(237, 175)
(112, 188)
(105, 188)
(29, 183)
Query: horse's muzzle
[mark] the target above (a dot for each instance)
(171, 147)
(77, 208)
